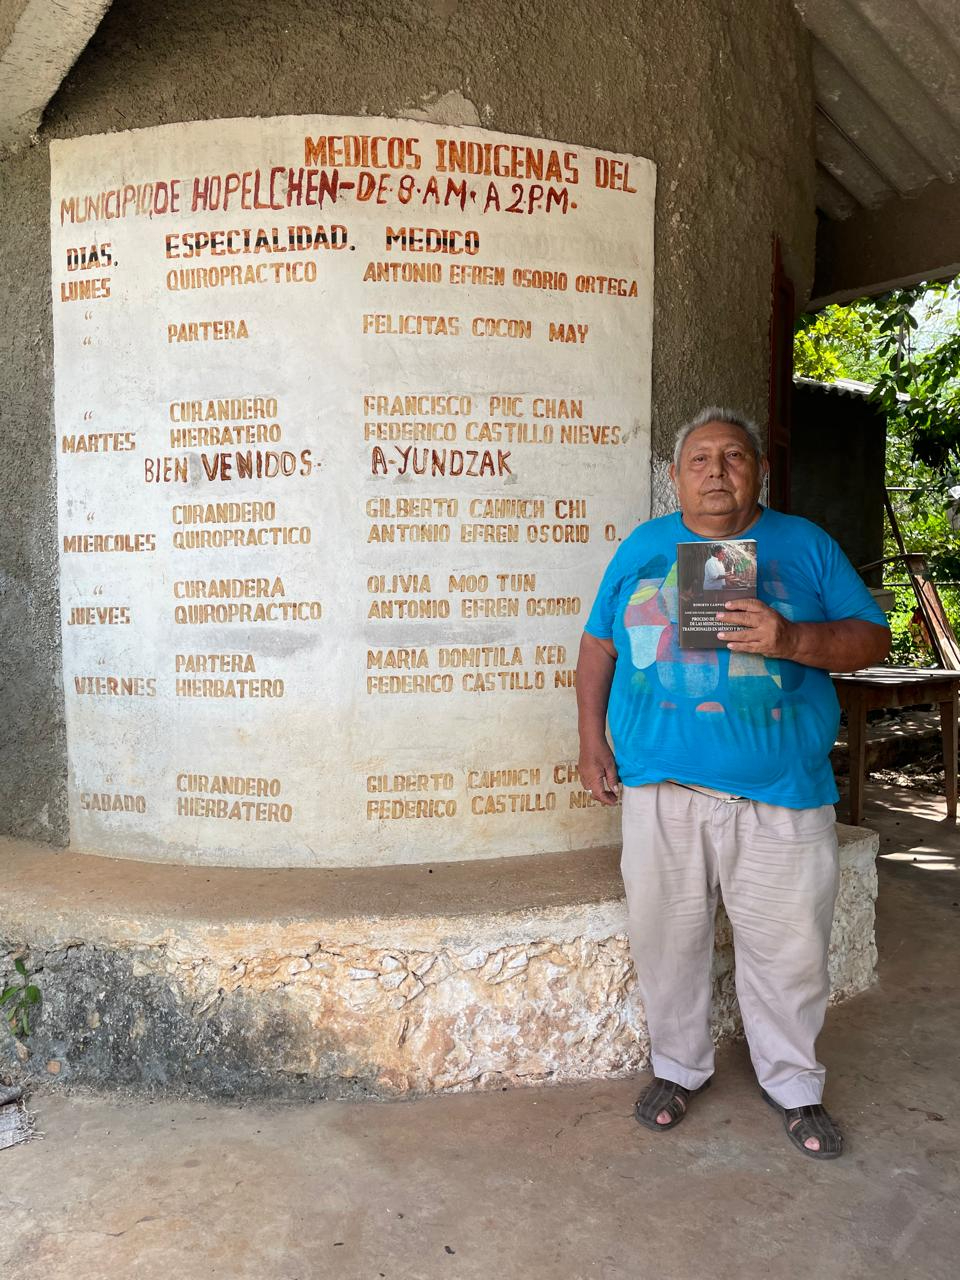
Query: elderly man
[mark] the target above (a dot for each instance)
(723, 756)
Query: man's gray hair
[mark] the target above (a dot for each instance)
(713, 413)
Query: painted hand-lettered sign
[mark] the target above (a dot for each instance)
(351, 414)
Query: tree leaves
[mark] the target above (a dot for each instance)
(19, 1002)
(907, 344)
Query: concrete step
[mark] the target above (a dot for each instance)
(380, 981)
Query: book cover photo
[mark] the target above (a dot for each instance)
(708, 575)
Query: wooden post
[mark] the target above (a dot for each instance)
(857, 748)
(948, 728)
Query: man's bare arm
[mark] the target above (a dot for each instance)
(846, 645)
(595, 667)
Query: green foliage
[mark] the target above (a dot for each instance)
(908, 648)
(906, 344)
(922, 510)
(20, 1001)
(838, 342)
(927, 375)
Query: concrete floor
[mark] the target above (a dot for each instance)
(557, 1183)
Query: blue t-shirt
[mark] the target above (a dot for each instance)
(758, 727)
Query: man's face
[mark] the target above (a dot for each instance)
(719, 474)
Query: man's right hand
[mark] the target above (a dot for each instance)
(598, 772)
(595, 667)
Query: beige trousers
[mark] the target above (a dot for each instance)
(777, 870)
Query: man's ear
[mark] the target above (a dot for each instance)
(764, 467)
(672, 473)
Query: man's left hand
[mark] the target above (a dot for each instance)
(767, 633)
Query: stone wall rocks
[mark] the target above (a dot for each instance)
(372, 1008)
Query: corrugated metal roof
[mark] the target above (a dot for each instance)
(887, 78)
(843, 387)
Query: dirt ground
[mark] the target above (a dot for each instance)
(557, 1183)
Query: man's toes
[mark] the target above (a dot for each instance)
(812, 1144)
(664, 1117)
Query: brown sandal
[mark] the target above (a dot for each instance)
(664, 1095)
(812, 1121)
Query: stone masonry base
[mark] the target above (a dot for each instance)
(370, 982)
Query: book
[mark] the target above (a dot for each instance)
(708, 575)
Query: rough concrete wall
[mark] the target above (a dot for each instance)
(905, 240)
(717, 92)
(33, 800)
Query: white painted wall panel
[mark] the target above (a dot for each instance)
(447, 729)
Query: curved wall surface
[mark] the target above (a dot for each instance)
(343, 452)
(716, 96)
